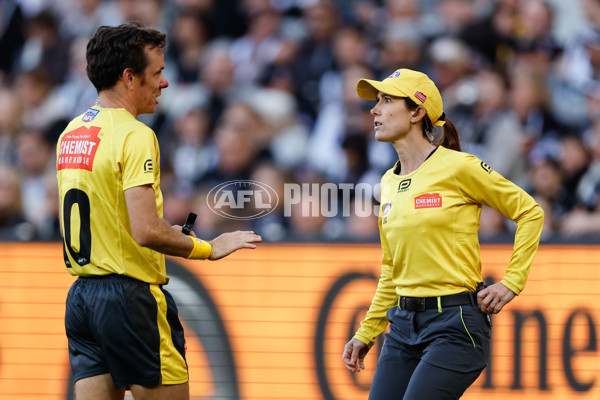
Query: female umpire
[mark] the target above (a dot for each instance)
(430, 288)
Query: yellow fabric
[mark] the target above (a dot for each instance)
(429, 224)
(100, 154)
(201, 250)
(407, 83)
(173, 366)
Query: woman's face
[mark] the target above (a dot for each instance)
(391, 118)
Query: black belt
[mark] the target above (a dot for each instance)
(423, 303)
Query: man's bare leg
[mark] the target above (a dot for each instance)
(171, 392)
(99, 387)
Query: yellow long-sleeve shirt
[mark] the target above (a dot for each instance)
(429, 222)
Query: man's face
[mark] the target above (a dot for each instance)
(150, 82)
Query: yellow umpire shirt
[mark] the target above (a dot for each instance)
(102, 153)
(429, 222)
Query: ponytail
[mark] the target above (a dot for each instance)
(450, 138)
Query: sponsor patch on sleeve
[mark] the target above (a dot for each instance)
(486, 167)
(148, 168)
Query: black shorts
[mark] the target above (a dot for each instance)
(127, 328)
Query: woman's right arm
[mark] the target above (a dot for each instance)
(376, 320)
(385, 298)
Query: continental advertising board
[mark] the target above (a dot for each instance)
(271, 323)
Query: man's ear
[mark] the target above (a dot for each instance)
(128, 78)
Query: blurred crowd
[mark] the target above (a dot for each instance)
(264, 90)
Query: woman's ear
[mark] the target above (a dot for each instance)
(418, 114)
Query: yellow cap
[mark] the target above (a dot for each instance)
(407, 83)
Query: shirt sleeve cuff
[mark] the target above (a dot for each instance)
(511, 286)
(363, 339)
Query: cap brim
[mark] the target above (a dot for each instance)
(368, 89)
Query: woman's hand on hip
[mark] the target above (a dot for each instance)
(493, 298)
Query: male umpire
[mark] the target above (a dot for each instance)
(122, 325)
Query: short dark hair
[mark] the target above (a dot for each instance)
(112, 49)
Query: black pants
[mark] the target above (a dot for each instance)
(431, 355)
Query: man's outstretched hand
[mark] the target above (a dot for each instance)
(229, 242)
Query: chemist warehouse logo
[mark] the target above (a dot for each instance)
(428, 200)
(78, 148)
